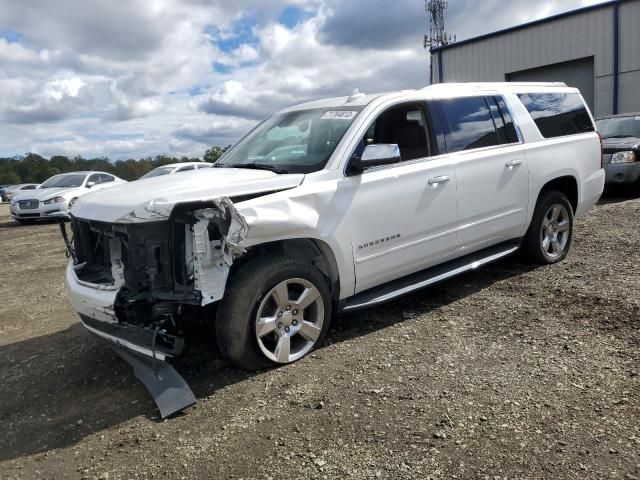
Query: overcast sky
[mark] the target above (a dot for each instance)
(134, 78)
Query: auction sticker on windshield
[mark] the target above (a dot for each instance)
(339, 115)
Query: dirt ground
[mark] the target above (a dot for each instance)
(511, 372)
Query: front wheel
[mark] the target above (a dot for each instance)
(548, 239)
(275, 311)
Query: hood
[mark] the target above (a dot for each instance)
(153, 199)
(612, 145)
(43, 194)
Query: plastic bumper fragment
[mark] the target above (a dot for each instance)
(168, 389)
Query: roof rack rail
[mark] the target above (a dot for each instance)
(486, 85)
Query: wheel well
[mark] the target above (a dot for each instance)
(316, 252)
(567, 185)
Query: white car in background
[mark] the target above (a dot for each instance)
(10, 192)
(176, 168)
(53, 197)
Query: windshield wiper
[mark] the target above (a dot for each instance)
(254, 166)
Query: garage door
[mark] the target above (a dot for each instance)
(577, 73)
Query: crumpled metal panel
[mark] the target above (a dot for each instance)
(212, 259)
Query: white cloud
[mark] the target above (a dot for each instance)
(62, 87)
(16, 53)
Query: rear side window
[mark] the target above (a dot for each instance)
(104, 178)
(468, 123)
(95, 178)
(558, 114)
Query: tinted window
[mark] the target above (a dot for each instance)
(558, 114)
(184, 169)
(104, 178)
(29, 187)
(470, 124)
(502, 119)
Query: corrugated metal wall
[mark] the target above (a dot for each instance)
(585, 34)
(629, 100)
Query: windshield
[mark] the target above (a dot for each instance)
(157, 172)
(64, 181)
(620, 127)
(293, 142)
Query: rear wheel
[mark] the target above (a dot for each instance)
(548, 239)
(275, 311)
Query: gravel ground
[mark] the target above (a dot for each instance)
(512, 372)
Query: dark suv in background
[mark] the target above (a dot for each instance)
(621, 142)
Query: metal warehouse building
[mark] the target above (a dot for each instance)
(596, 49)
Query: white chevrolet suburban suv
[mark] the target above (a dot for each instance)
(330, 206)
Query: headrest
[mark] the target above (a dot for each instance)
(410, 135)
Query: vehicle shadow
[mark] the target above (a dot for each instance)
(620, 193)
(8, 222)
(351, 325)
(60, 388)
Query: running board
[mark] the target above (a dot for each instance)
(431, 276)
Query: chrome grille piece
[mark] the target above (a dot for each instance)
(28, 204)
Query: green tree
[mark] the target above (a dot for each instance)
(62, 163)
(32, 168)
(51, 171)
(213, 154)
(9, 177)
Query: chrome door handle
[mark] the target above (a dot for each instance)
(513, 163)
(439, 180)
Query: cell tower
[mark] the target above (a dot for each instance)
(437, 36)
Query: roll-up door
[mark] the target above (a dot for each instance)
(575, 73)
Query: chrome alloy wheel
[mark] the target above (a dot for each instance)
(555, 231)
(289, 320)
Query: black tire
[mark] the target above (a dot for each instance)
(236, 316)
(533, 246)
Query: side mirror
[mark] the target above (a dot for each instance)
(91, 184)
(375, 156)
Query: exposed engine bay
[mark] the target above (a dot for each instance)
(160, 268)
(163, 273)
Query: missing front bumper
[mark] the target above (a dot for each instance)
(141, 349)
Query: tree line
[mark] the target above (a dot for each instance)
(33, 168)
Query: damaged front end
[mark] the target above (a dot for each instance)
(137, 285)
